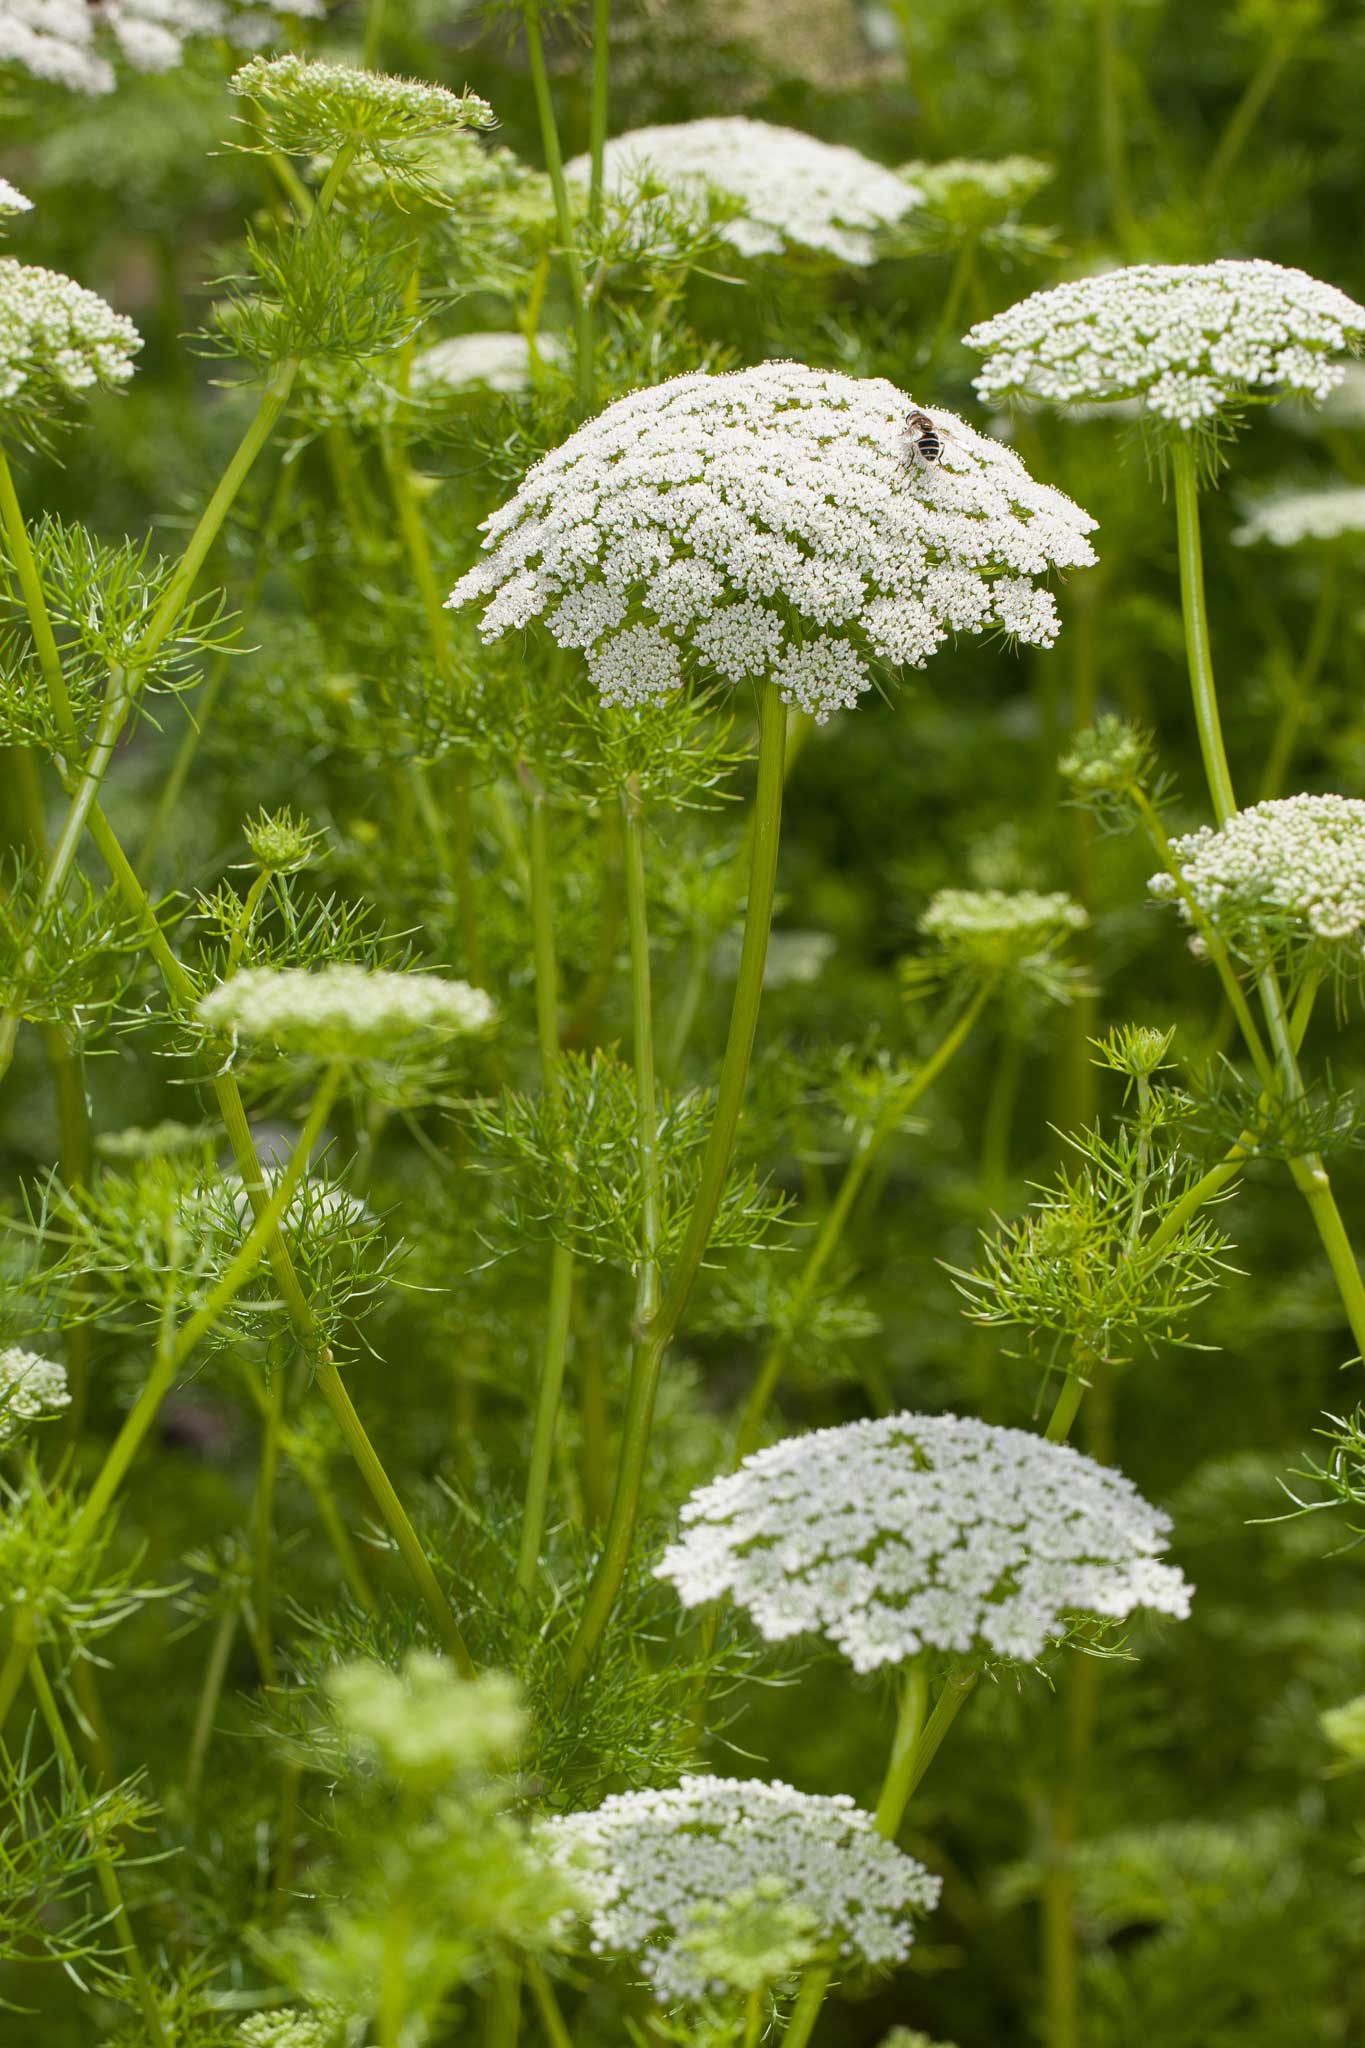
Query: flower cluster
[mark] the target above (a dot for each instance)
(1284, 875)
(990, 930)
(976, 192)
(788, 190)
(344, 1011)
(30, 1386)
(318, 1207)
(496, 361)
(311, 109)
(1292, 517)
(320, 2028)
(1188, 339)
(73, 43)
(650, 1863)
(12, 200)
(771, 523)
(924, 1532)
(56, 338)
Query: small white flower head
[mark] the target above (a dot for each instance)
(1188, 339)
(79, 44)
(56, 339)
(30, 1386)
(782, 189)
(771, 523)
(319, 2028)
(312, 109)
(651, 1864)
(924, 1532)
(318, 1209)
(12, 200)
(480, 362)
(344, 1011)
(975, 192)
(1281, 880)
(989, 931)
(1291, 518)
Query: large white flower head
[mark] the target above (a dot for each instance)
(651, 1863)
(924, 1532)
(56, 339)
(344, 1011)
(772, 523)
(12, 200)
(310, 108)
(991, 930)
(1281, 879)
(1292, 518)
(790, 191)
(1188, 339)
(30, 1386)
(79, 43)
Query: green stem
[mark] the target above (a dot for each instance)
(263, 1527)
(564, 221)
(900, 1769)
(35, 603)
(1061, 1981)
(642, 1012)
(547, 2005)
(333, 1391)
(374, 33)
(551, 1388)
(1113, 124)
(1198, 647)
(211, 1691)
(871, 1142)
(106, 1875)
(1066, 1407)
(1247, 112)
(653, 1341)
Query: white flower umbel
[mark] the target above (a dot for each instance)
(1280, 878)
(771, 524)
(12, 200)
(977, 191)
(30, 1386)
(1287, 520)
(648, 1861)
(77, 43)
(344, 1011)
(56, 338)
(311, 109)
(1188, 339)
(924, 1532)
(315, 1205)
(497, 361)
(791, 191)
(994, 928)
(320, 2028)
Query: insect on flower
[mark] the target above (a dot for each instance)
(926, 440)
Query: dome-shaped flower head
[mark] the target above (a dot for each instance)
(344, 1011)
(312, 109)
(783, 190)
(924, 1532)
(1292, 519)
(56, 339)
(990, 931)
(971, 192)
(30, 1386)
(651, 1863)
(773, 523)
(77, 43)
(322, 2027)
(12, 200)
(1188, 339)
(1281, 880)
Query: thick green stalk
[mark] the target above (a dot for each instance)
(554, 1357)
(263, 1527)
(871, 1142)
(915, 1745)
(653, 1342)
(35, 603)
(1198, 646)
(1309, 1173)
(1113, 123)
(106, 1873)
(642, 1014)
(900, 1769)
(547, 2005)
(564, 220)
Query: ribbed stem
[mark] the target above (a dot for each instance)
(654, 1342)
